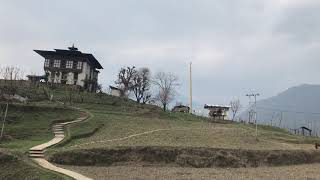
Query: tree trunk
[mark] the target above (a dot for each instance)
(164, 107)
(233, 116)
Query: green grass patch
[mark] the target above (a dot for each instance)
(14, 166)
(122, 118)
(29, 125)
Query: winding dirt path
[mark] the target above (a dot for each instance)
(36, 153)
(138, 134)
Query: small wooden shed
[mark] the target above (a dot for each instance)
(114, 91)
(181, 108)
(217, 111)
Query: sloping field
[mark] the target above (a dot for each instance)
(119, 122)
(29, 125)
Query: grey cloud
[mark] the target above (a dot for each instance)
(235, 45)
(300, 23)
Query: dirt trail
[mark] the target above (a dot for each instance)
(36, 153)
(138, 134)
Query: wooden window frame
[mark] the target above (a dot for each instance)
(69, 64)
(79, 65)
(57, 63)
(47, 63)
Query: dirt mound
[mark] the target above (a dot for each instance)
(185, 157)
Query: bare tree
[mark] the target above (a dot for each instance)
(166, 84)
(147, 98)
(125, 79)
(235, 107)
(11, 74)
(141, 85)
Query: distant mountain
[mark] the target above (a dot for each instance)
(298, 106)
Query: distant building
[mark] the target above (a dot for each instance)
(181, 108)
(303, 131)
(217, 111)
(114, 91)
(35, 78)
(71, 67)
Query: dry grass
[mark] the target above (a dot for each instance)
(126, 130)
(296, 172)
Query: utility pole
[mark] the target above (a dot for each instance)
(4, 120)
(254, 109)
(190, 90)
(280, 119)
(250, 110)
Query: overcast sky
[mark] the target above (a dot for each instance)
(236, 47)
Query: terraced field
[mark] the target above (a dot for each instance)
(297, 172)
(118, 122)
(124, 123)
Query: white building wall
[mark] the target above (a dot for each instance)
(115, 92)
(49, 76)
(82, 75)
(57, 77)
(70, 78)
(53, 78)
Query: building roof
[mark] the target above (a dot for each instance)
(303, 127)
(181, 106)
(216, 106)
(114, 88)
(35, 76)
(71, 52)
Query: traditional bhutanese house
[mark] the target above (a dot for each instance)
(71, 66)
(114, 91)
(217, 111)
(181, 108)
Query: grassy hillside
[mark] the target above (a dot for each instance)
(117, 122)
(27, 126)
(30, 125)
(120, 122)
(16, 167)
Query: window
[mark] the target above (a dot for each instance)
(56, 63)
(79, 65)
(69, 64)
(75, 63)
(75, 78)
(47, 63)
